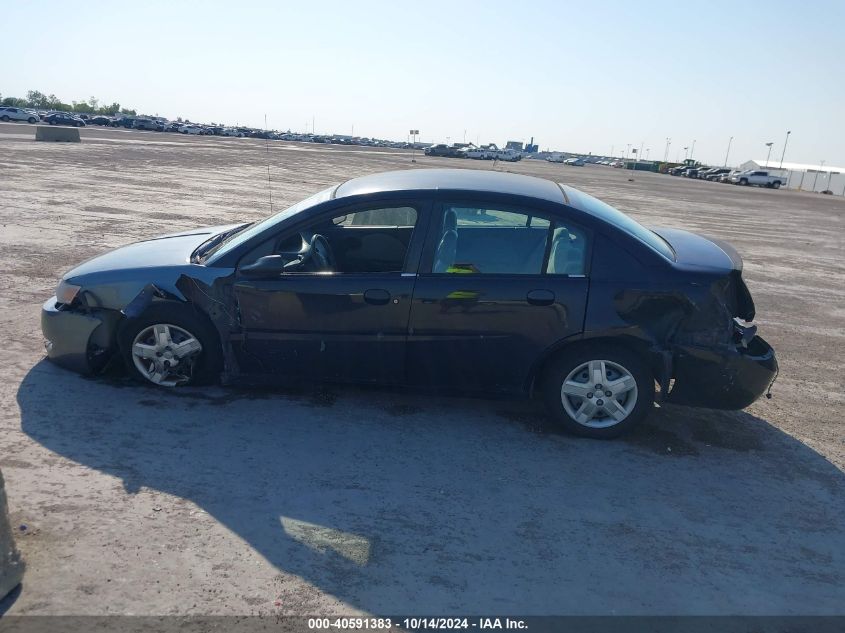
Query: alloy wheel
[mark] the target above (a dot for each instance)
(165, 354)
(599, 394)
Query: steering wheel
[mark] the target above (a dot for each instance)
(318, 255)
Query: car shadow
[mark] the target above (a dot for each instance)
(7, 602)
(403, 503)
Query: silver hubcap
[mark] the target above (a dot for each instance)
(599, 394)
(165, 354)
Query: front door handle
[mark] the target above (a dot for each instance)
(540, 297)
(377, 296)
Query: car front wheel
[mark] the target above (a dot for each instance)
(169, 346)
(598, 391)
(4, 118)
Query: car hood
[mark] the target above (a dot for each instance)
(167, 250)
(696, 251)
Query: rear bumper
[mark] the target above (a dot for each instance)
(729, 378)
(78, 341)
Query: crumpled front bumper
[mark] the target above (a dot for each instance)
(729, 377)
(76, 340)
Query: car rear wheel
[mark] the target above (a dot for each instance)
(598, 391)
(31, 119)
(776, 185)
(4, 118)
(170, 345)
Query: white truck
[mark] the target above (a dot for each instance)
(758, 178)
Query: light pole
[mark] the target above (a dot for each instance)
(627, 150)
(815, 180)
(686, 153)
(730, 140)
(783, 153)
(666, 153)
(646, 152)
(611, 150)
(769, 145)
(692, 149)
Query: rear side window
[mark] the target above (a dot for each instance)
(484, 240)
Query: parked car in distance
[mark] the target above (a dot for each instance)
(556, 158)
(230, 131)
(191, 129)
(439, 279)
(63, 118)
(147, 124)
(508, 155)
(9, 113)
(477, 153)
(441, 149)
(757, 178)
(100, 120)
(715, 174)
(574, 162)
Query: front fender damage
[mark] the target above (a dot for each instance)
(217, 302)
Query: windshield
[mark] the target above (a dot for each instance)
(614, 216)
(233, 242)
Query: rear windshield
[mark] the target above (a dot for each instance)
(614, 216)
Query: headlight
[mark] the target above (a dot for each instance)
(66, 293)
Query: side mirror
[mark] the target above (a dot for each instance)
(268, 266)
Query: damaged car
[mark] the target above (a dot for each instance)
(446, 279)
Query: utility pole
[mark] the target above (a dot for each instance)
(730, 140)
(769, 145)
(666, 153)
(686, 153)
(692, 149)
(783, 153)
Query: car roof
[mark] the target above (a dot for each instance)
(453, 179)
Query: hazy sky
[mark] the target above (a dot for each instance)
(582, 76)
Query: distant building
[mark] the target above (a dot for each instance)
(518, 146)
(804, 177)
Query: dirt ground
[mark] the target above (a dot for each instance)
(134, 501)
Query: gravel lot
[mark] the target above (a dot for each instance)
(136, 501)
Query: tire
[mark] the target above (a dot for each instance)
(776, 185)
(4, 118)
(632, 404)
(197, 367)
(743, 181)
(31, 120)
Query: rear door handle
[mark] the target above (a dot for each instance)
(540, 297)
(377, 296)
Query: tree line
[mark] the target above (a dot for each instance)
(39, 100)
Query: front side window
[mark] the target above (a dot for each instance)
(373, 240)
(481, 239)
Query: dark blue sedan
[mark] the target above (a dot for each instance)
(63, 118)
(458, 280)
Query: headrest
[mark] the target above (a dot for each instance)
(450, 221)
